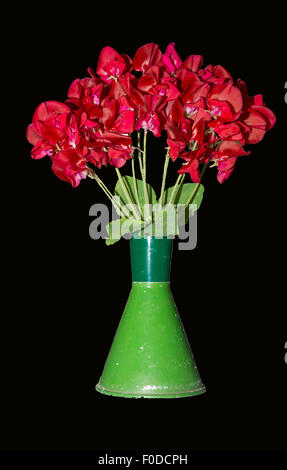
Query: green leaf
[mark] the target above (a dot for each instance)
(119, 227)
(182, 196)
(165, 221)
(128, 180)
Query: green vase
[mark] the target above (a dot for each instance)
(150, 356)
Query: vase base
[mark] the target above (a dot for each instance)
(188, 393)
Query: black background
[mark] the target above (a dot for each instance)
(65, 292)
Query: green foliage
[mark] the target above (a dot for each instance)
(166, 220)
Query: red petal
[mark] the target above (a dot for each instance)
(255, 119)
(41, 150)
(255, 135)
(98, 158)
(146, 56)
(171, 58)
(224, 175)
(193, 63)
(192, 169)
(114, 138)
(220, 71)
(231, 149)
(70, 167)
(109, 114)
(32, 136)
(146, 82)
(108, 56)
(92, 73)
(268, 115)
(75, 89)
(227, 92)
(194, 88)
(49, 108)
(118, 156)
(125, 122)
(175, 148)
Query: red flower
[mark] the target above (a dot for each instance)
(48, 110)
(171, 59)
(54, 132)
(193, 87)
(227, 154)
(116, 146)
(176, 147)
(191, 167)
(146, 56)
(149, 81)
(235, 130)
(97, 156)
(118, 115)
(225, 100)
(112, 65)
(151, 115)
(48, 122)
(186, 126)
(118, 155)
(127, 86)
(126, 115)
(69, 166)
(192, 63)
(206, 115)
(109, 111)
(111, 138)
(178, 129)
(157, 81)
(259, 119)
(216, 75)
(47, 128)
(256, 116)
(87, 94)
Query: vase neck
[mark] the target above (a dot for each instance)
(151, 259)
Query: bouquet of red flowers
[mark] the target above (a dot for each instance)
(206, 115)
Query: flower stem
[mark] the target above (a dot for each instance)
(135, 186)
(180, 184)
(102, 185)
(166, 162)
(172, 196)
(107, 192)
(144, 171)
(126, 193)
(141, 167)
(138, 149)
(196, 186)
(139, 152)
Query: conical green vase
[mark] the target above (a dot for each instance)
(150, 356)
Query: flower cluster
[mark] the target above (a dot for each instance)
(207, 116)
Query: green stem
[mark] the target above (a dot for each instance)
(171, 199)
(141, 168)
(180, 185)
(135, 186)
(144, 171)
(196, 186)
(124, 188)
(164, 176)
(139, 152)
(107, 192)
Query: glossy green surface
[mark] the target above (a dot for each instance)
(150, 356)
(150, 259)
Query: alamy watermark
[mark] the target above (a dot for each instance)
(168, 221)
